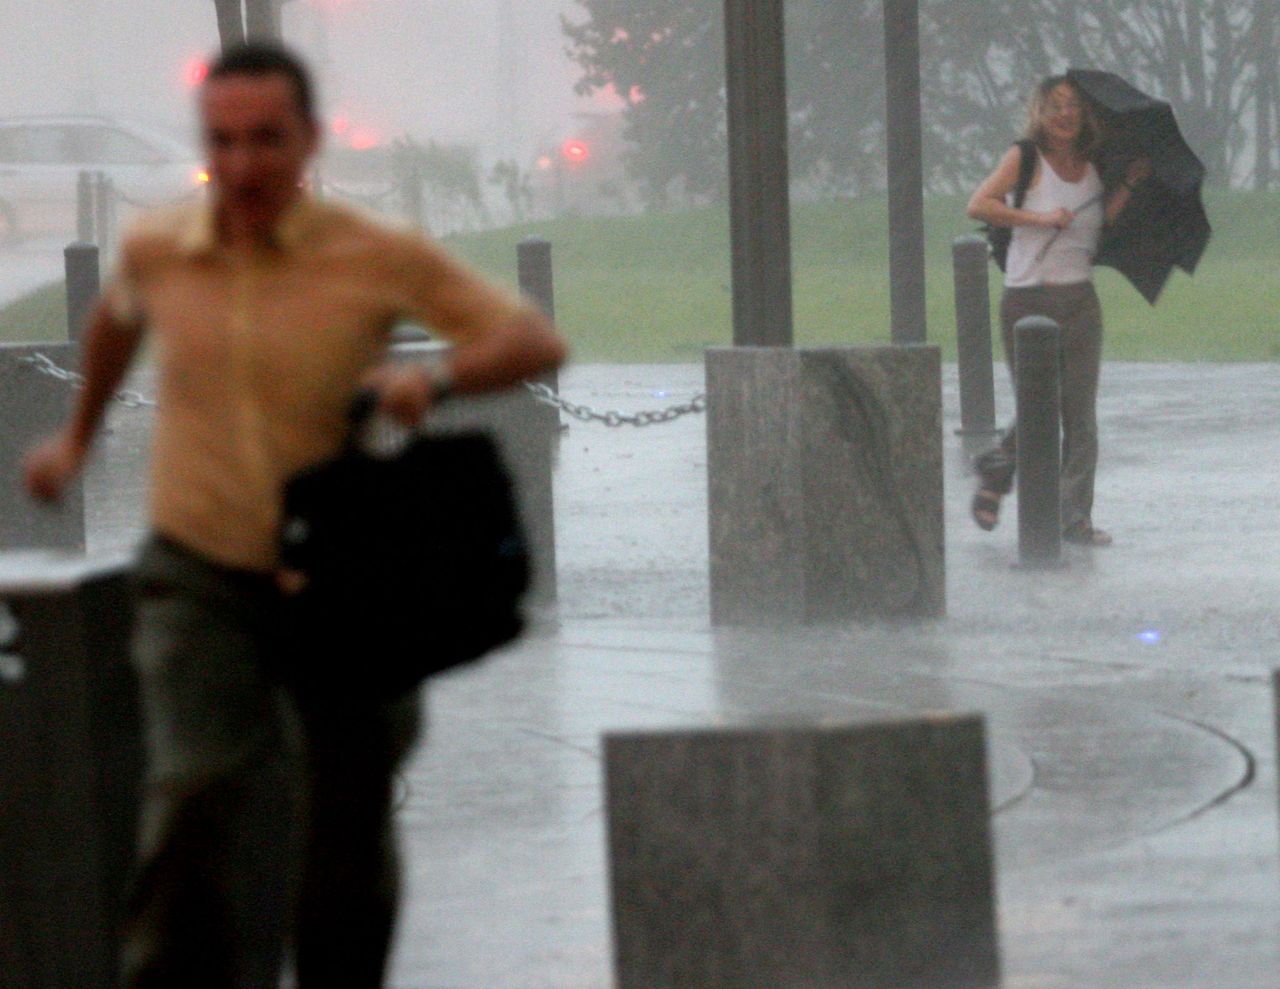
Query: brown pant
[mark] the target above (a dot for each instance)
(266, 819)
(1076, 310)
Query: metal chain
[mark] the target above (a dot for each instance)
(585, 413)
(129, 399)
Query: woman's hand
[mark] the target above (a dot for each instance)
(1139, 170)
(1058, 219)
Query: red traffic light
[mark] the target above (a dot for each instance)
(575, 152)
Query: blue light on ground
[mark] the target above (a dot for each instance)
(660, 393)
(1151, 636)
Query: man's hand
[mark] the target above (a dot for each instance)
(405, 391)
(51, 465)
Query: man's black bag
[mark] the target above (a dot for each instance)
(999, 238)
(414, 563)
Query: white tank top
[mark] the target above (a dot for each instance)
(1033, 260)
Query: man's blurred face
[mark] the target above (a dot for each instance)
(258, 142)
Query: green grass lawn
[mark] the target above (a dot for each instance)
(656, 287)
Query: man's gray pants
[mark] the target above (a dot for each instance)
(266, 821)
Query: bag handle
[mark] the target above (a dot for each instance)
(371, 434)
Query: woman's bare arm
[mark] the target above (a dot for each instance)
(987, 204)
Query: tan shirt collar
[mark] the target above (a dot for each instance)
(199, 235)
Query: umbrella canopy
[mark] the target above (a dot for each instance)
(1164, 225)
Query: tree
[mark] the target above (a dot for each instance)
(664, 59)
(1213, 60)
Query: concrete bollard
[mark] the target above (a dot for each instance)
(855, 855)
(533, 264)
(72, 765)
(33, 405)
(84, 208)
(83, 283)
(1037, 379)
(973, 343)
(537, 281)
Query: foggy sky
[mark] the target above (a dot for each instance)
(429, 68)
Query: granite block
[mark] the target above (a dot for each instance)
(802, 858)
(33, 405)
(825, 483)
(71, 772)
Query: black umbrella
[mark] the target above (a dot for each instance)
(1164, 225)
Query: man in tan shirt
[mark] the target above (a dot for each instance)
(268, 311)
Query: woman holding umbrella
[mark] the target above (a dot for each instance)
(1057, 218)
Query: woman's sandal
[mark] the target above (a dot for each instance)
(985, 509)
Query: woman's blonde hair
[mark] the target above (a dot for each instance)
(1090, 137)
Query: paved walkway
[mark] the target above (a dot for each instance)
(1127, 696)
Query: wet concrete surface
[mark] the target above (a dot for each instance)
(1127, 695)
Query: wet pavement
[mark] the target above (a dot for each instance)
(1127, 696)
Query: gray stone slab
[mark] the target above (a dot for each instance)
(802, 858)
(824, 473)
(32, 405)
(71, 770)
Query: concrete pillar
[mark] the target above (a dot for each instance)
(824, 472)
(262, 20)
(906, 171)
(411, 189)
(1037, 378)
(759, 189)
(855, 855)
(83, 283)
(973, 343)
(102, 194)
(69, 779)
(33, 405)
(84, 208)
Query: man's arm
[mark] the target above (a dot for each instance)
(514, 351)
(497, 341)
(108, 349)
(987, 204)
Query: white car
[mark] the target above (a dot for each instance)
(41, 159)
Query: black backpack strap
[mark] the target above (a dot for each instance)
(1026, 169)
